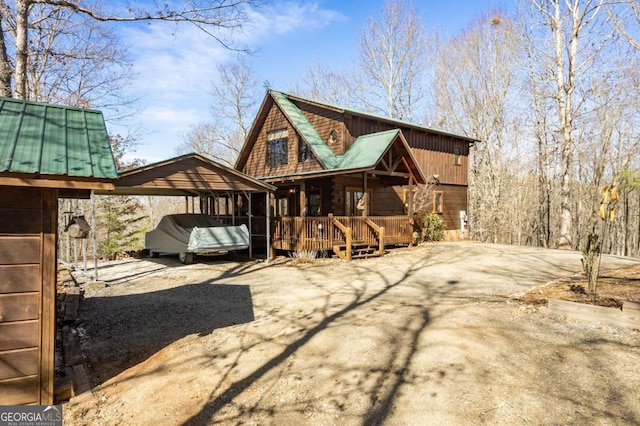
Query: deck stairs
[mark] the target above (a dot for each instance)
(359, 250)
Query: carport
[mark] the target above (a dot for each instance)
(225, 193)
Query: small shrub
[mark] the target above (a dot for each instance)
(432, 227)
(303, 256)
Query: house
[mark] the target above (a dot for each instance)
(47, 152)
(338, 169)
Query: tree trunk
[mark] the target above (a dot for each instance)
(5, 64)
(22, 28)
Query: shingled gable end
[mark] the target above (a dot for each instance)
(324, 158)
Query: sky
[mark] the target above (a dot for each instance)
(175, 66)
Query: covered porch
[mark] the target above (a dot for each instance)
(355, 210)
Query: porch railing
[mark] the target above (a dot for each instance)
(322, 233)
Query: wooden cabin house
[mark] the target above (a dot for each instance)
(46, 152)
(342, 171)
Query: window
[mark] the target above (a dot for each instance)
(352, 204)
(456, 156)
(304, 151)
(438, 201)
(333, 137)
(278, 147)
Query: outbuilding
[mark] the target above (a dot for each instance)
(47, 152)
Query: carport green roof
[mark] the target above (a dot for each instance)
(46, 139)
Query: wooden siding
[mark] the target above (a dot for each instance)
(27, 294)
(385, 200)
(188, 174)
(433, 152)
(257, 164)
(325, 121)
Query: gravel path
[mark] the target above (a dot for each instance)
(420, 336)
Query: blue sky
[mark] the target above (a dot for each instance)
(176, 66)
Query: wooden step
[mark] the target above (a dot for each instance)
(365, 256)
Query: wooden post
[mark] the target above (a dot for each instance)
(381, 241)
(303, 199)
(186, 204)
(233, 209)
(349, 243)
(267, 202)
(410, 197)
(330, 230)
(272, 203)
(303, 214)
(49, 236)
(365, 197)
(250, 213)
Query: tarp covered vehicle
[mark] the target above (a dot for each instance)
(190, 234)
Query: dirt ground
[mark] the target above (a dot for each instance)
(434, 335)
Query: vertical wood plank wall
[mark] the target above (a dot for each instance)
(28, 221)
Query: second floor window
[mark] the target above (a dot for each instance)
(278, 148)
(304, 151)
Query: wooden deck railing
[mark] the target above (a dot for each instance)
(325, 232)
(322, 233)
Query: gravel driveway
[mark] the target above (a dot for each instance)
(421, 336)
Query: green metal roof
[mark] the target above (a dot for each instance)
(380, 117)
(366, 150)
(54, 140)
(305, 129)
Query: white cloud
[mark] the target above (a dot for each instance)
(176, 66)
(286, 17)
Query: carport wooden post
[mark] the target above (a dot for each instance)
(268, 205)
(250, 213)
(94, 237)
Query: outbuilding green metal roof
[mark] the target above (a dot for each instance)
(305, 129)
(46, 139)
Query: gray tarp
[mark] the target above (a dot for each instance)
(195, 233)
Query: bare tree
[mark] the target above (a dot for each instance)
(475, 76)
(394, 54)
(321, 82)
(625, 16)
(211, 16)
(568, 53)
(75, 60)
(235, 98)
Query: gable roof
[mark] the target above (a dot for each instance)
(365, 154)
(189, 174)
(367, 150)
(54, 141)
(324, 155)
(378, 117)
(305, 129)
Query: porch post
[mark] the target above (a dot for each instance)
(410, 197)
(268, 208)
(250, 213)
(303, 198)
(365, 195)
(303, 213)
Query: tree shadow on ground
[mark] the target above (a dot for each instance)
(131, 328)
(389, 378)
